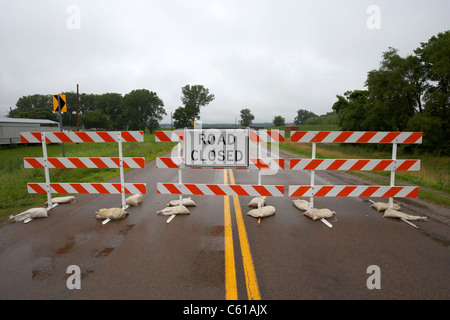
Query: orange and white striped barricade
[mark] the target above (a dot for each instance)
(84, 162)
(392, 165)
(255, 160)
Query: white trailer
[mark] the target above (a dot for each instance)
(10, 128)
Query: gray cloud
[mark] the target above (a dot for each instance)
(273, 57)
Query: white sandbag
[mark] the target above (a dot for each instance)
(316, 214)
(68, 199)
(382, 206)
(32, 213)
(391, 213)
(254, 202)
(301, 204)
(187, 202)
(262, 212)
(173, 210)
(111, 213)
(134, 200)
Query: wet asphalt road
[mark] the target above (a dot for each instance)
(294, 257)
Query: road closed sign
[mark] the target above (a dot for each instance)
(216, 147)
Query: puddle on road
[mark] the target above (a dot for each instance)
(45, 266)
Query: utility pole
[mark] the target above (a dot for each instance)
(78, 104)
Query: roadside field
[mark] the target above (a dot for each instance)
(14, 196)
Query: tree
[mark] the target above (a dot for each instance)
(302, 116)
(396, 90)
(111, 105)
(193, 98)
(246, 118)
(278, 121)
(143, 108)
(352, 110)
(94, 120)
(37, 106)
(435, 56)
(182, 118)
(435, 120)
(405, 94)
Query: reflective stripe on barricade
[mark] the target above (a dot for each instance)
(354, 164)
(356, 137)
(353, 191)
(221, 189)
(100, 162)
(79, 137)
(103, 188)
(265, 163)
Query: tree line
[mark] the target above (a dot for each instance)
(137, 110)
(405, 94)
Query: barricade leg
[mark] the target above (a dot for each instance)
(313, 156)
(122, 177)
(392, 182)
(50, 205)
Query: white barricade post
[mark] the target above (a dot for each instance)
(392, 165)
(220, 149)
(84, 162)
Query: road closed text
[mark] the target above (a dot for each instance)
(216, 148)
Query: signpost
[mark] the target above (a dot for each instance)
(59, 105)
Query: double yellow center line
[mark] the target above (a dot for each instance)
(230, 268)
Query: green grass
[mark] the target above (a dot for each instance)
(14, 196)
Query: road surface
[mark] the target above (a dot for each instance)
(204, 255)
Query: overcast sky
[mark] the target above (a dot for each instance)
(273, 57)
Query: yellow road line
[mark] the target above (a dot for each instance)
(230, 269)
(249, 268)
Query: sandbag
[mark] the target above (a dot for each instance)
(111, 213)
(301, 204)
(262, 212)
(187, 202)
(315, 214)
(32, 213)
(173, 210)
(134, 200)
(68, 199)
(382, 206)
(254, 202)
(391, 213)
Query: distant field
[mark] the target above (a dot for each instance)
(14, 178)
(311, 127)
